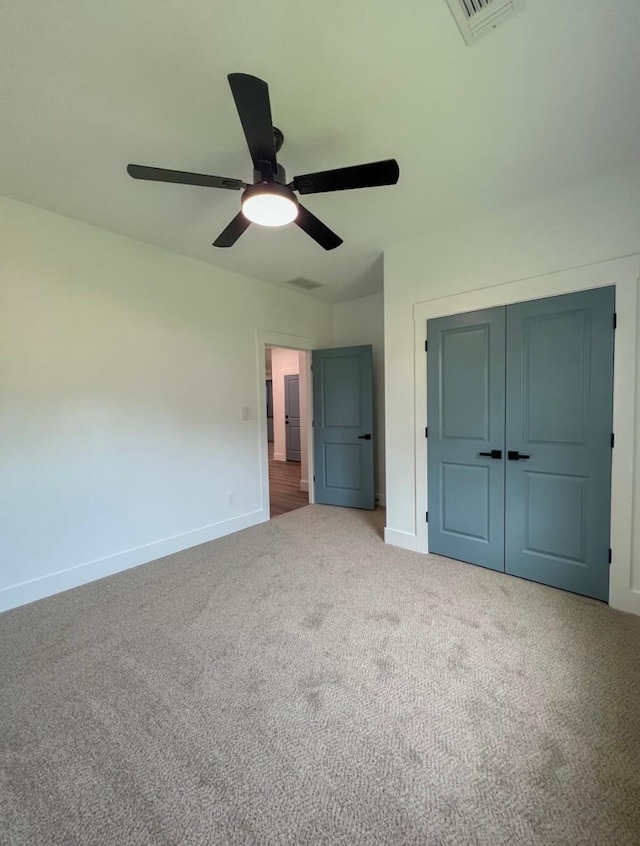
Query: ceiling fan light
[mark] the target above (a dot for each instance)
(270, 205)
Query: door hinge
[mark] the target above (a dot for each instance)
(609, 555)
(426, 344)
(313, 423)
(613, 438)
(426, 517)
(426, 431)
(615, 320)
(314, 477)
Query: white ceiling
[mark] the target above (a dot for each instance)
(550, 99)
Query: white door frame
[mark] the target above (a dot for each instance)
(266, 338)
(623, 273)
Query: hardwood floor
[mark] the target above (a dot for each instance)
(284, 486)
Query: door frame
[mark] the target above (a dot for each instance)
(266, 338)
(624, 274)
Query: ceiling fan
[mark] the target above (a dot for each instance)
(271, 201)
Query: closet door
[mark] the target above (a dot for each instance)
(466, 400)
(558, 440)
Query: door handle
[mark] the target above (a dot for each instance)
(495, 453)
(366, 437)
(514, 455)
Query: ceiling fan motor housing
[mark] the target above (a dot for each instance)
(279, 176)
(278, 138)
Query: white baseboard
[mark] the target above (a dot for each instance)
(279, 456)
(381, 500)
(405, 540)
(628, 601)
(52, 583)
(304, 484)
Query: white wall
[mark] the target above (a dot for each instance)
(358, 322)
(123, 372)
(591, 224)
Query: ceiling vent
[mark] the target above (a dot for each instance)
(304, 284)
(477, 18)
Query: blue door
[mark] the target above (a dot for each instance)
(559, 423)
(292, 417)
(465, 400)
(520, 412)
(343, 426)
(270, 410)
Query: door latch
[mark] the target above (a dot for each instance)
(495, 453)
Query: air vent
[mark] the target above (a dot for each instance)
(477, 18)
(304, 284)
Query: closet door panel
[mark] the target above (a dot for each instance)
(466, 380)
(559, 412)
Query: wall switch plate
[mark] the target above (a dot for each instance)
(249, 413)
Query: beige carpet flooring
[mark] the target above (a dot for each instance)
(302, 683)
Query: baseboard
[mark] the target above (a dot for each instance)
(304, 484)
(53, 583)
(381, 500)
(405, 540)
(279, 456)
(628, 601)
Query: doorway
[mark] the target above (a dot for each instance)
(287, 428)
(338, 450)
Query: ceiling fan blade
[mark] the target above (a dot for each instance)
(159, 174)
(251, 96)
(346, 178)
(310, 224)
(234, 230)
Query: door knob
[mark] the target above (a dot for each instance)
(364, 437)
(514, 455)
(495, 453)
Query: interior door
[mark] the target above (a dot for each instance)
(292, 417)
(559, 423)
(270, 410)
(466, 385)
(343, 426)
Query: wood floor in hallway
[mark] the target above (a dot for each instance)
(284, 486)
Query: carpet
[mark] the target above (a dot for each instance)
(301, 682)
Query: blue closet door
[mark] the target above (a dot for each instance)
(343, 426)
(558, 437)
(466, 397)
